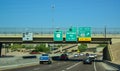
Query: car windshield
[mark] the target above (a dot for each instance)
(59, 35)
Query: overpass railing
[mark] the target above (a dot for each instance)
(96, 32)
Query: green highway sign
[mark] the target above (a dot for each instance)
(58, 36)
(71, 36)
(84, 33)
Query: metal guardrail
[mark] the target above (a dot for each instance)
(51, 30)
(39, 32)
(51, 35)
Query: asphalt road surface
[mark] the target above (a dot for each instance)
(72, 65)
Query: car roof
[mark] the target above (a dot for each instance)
(63, 54)
(44, 54)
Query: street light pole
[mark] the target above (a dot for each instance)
(53, 6)
(105, 34)
(105, 31)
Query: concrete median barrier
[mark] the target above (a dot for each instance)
(55, 58)
(27, 57)
(116, 66)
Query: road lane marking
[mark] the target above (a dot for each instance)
(72, 66)
(95, 66)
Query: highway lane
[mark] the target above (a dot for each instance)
(56, 66)
(64, 66)
(74, 64)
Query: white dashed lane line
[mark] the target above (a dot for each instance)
(72, 66)
(95, 66)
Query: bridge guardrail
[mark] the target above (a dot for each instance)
(51, 35)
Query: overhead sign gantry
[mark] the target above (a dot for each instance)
(84, 34)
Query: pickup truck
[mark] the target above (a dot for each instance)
(45, 58)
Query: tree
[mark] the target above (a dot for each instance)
(15, 47)
(42, 48)
(28, 46)
(82, 47)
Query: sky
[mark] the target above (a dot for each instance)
(59, 13)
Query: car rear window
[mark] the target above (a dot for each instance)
(44, 54)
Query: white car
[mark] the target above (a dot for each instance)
(91, 56)
(76, 55)
(81, 54)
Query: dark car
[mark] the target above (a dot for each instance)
(64, 57)
(87, 61)
(35, 52)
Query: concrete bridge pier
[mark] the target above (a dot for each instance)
(0, 49)
(107, 53)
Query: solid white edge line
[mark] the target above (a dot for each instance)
(95, 66)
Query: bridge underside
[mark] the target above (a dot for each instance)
(50, 40)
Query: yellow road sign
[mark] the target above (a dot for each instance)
(84, 39)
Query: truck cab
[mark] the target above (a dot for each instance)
(45, 58)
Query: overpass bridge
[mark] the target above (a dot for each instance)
(49, 39)
(46, 36)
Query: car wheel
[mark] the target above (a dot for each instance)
(49, 62)
(40, 62)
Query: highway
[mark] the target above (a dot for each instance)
(62, 66)
(71, 65)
